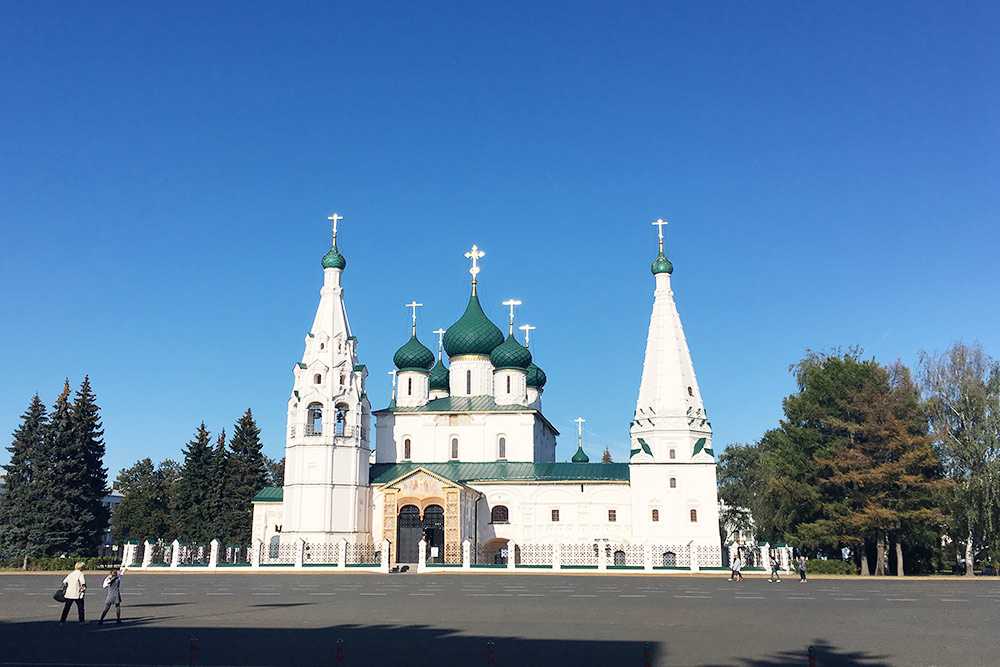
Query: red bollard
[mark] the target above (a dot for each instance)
(647, 656)
(490, 654)
(812, 656)
(193, 653)
(340, 651)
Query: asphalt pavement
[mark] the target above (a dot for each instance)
(286, 618)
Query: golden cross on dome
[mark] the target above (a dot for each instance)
(659, 223)
(414, 305)
(475, 255)
(579, 425)
(335, 218)
(527, 329)
(511, 303)
(393, 374)
(440, 334)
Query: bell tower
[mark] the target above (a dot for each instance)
(326, 493)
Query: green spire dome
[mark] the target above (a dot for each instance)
(510, 355)
(413, 356)
(661, 264)
(333, 259)
(439, 377)
(473, 333)
(536, 376)
(580, 456)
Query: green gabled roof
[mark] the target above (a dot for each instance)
(463, 404)
(358, 368)
(505, 471)
(269, 494)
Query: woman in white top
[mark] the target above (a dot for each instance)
(76, 585)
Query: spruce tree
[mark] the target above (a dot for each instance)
(144, 511)
(62, 476)
(88, 442)
(21, 505)
(195, 489)
(246, 474)
(606, 457)
(216, 507)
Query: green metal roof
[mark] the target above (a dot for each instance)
(269, 494)
(506, 471)
(439, 377)
(413, 356)
(462, 404)
(510, 355)
(473, 333)
(661, 264)
(580, 456)
(536, 376)
(333, 259)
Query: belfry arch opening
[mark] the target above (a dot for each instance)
(314, 419)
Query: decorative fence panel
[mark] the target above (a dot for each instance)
(671, 555)
(584, 554)
(321, 554)
(140, 551)
(194, 554)
(235, 554)
(160, 554)
(363, 554)
(279, 554)
(624, 554)
(534, 554)
(709, 556)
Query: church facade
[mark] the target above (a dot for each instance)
(464, 454)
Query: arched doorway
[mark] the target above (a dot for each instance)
(411, 527)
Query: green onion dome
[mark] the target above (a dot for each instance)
(333, 259)
(473, 333)
(510, 355)
(439, 377)
(661, 264)
(413, 356)
(536, 376)
(580, 456)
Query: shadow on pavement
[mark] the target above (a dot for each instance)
(827, 655)
(140, 641)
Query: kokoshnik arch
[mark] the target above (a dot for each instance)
(464, 451)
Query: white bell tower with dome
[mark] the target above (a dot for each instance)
(326, 494)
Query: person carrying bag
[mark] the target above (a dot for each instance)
(75, 585)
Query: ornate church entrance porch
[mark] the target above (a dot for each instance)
(411, 527)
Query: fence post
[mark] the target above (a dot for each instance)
(602, 556)
(147, 554)
(256, 551)
(300, 553)
(467, 554)
(765, 556)
(557, 556)
(693, 550)
(213, 556)
(511, 554)
(647, 557)
(342, 553)
(421, 555)
(384, 563)
(175, 554)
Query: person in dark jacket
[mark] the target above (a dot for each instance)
(113, 584)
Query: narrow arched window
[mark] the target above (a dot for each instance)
(314, 419)
(612, 516)
(499, 514)
(322, 346)
(468, 383)
(656, 515)
(343, 379)
(673, 482)
(673, 453)
(508, 384)
(694, 516)
(317, 378)
(502, 448)
(454, 448)
(406, 448)
(690, 391)
(409, 386)
(341, 423)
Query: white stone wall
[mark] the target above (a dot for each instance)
(514, 379)
(412, 388)
(695, 490)
(482, 376)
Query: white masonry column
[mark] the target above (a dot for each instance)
(693, 550)
(175, 554)
(384, 564)
(300, 553)
(647, 557)
(765, 555)
(342, 553)
(467, 554)
(602, 558)
(147, 554)
(256, 551)
(422, 555)
(213, 556)
(557, 556)
(511, 555)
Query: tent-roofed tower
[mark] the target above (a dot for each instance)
(326, 493)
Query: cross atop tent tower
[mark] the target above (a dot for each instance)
(659, 223)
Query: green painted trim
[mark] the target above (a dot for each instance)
(277, 564)
(296, 392)
(363, 565)
(699, 445)
(672, 567)
(579, 567)
(131, 542)
(492, 565)
(645, 447)
(715, 569)
(320, 564)
(533, 567)
(311, 334)
(302, 365)
(192, 565)
(625, 567)
(444, 565)
(232, 565)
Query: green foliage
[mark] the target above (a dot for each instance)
(65, 563)
(20, 506)
(831, 566)
(88, 446)
(144, 511)
(606, 456)
(245, 474)
(195, 506)
(275, 471)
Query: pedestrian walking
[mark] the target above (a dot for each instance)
(113, 583)
(739, 569)
(734, 567)
(802, 569)
(774, 571)
(76, 585)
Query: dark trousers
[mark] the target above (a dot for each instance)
(802, 575)
(118, 610)
(67, 605)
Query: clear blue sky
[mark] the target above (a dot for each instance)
(830, 174)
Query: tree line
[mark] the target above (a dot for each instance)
(207, 496)
(900, 473)
(56, 480)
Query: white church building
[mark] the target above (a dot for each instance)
(464, 453)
